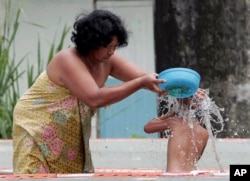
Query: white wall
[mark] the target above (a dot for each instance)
(138, 16)
(51, 16)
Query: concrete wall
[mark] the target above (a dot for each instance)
(149, 153)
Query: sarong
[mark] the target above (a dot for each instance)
(51, 131)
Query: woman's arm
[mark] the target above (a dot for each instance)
(124, 69)
(79, 80)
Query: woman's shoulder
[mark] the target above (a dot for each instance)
(66, 58)
(66, 53)
(62, 63)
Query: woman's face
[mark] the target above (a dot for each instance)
(104, 53)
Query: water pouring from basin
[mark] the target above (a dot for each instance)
(184, 83)
(207, 113)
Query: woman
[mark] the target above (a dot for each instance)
(52, 120)
(188, 137)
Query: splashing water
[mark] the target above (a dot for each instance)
(207, 113)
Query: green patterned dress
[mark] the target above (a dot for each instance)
(51, 131)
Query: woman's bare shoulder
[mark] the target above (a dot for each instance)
(64, 62)
(67, 54)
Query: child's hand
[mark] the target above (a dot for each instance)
(191, 102)
(199, 96)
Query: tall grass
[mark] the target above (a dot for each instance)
(9, 70)
(54, 48)
(9, 67)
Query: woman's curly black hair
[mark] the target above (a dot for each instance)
(96, 30)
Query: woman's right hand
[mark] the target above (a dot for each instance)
(150, 81)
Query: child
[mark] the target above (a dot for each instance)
(187, 138)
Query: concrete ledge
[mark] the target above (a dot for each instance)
(140, 159)
(149, 153)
